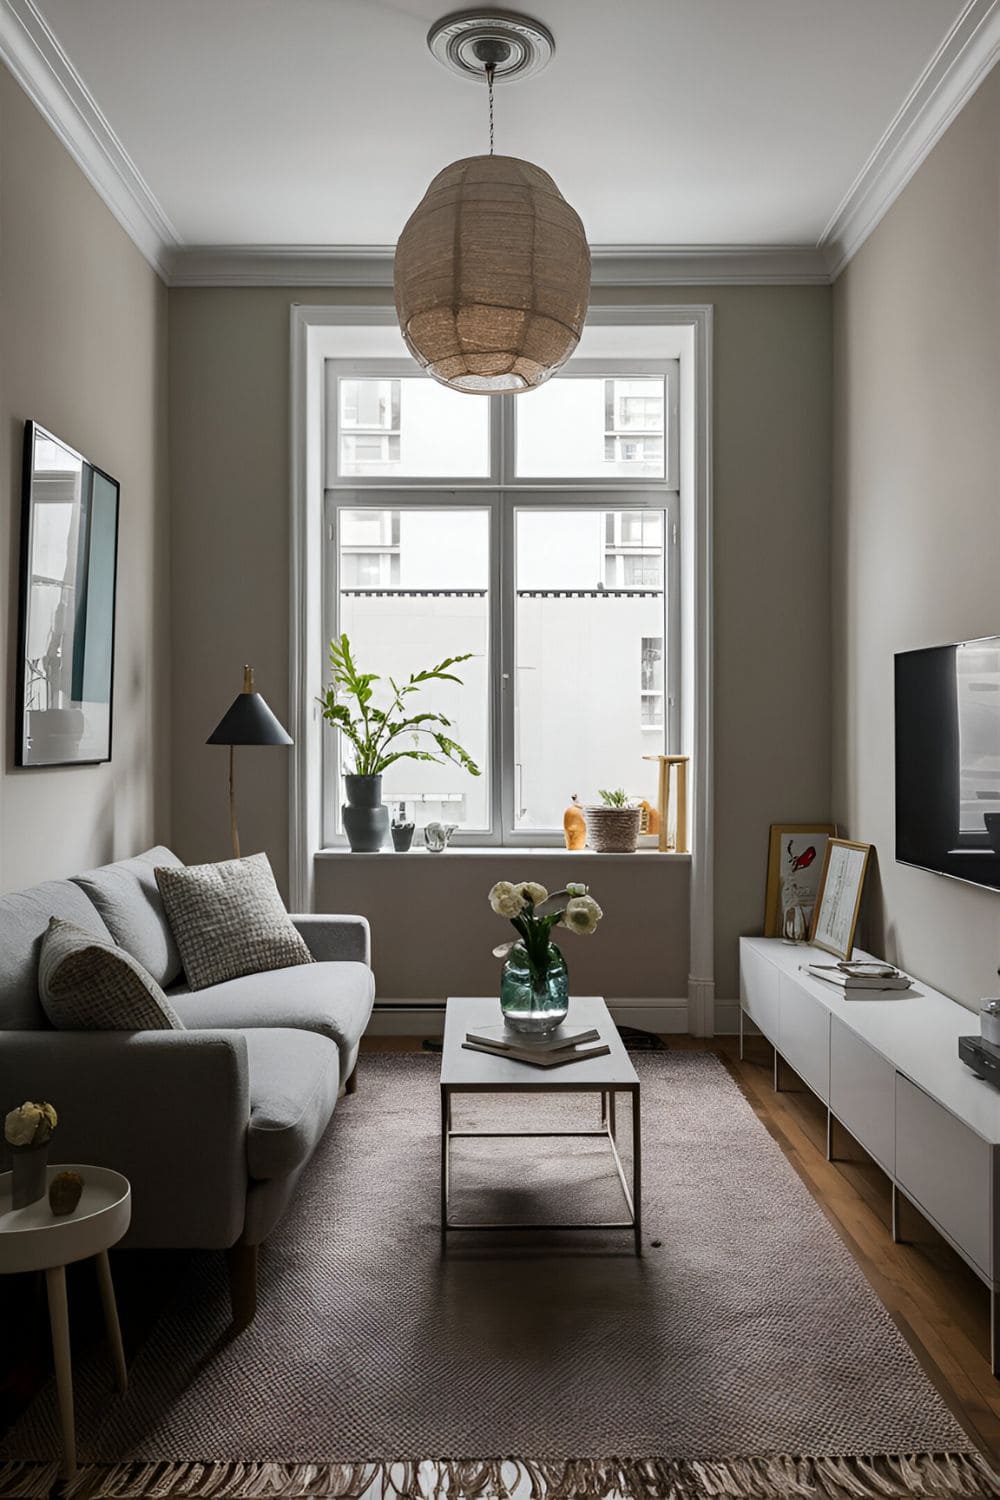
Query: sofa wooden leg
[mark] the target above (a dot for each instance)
(351, 1085)
(242, 1263)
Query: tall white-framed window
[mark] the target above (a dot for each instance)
(540, 535)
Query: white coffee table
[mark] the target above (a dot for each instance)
(467, 1072)
(34, 1239)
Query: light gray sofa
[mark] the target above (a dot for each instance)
(213, 1125)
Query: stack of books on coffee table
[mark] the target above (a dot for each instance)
(542, 1051)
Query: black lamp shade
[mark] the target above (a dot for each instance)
(249, 722)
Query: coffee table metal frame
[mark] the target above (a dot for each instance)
(523, 1079)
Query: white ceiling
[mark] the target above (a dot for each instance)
(665, 122)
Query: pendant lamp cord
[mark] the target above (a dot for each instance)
(490, 70)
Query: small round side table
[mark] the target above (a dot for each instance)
(34, 1239)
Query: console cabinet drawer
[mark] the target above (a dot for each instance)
(804, 1036)
(759, 992)
(946, 1169)
(862, 1093)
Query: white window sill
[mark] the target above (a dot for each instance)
(497, 851)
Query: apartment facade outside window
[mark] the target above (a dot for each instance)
(538, 550)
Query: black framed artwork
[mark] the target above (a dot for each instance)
(66, 625)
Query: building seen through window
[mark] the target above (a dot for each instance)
(588, 645)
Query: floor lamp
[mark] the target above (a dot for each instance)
(248, 721)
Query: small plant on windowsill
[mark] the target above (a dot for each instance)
(375, 736)
(613, 824)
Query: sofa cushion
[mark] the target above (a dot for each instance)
(88, 983)
(228, 920)
(128, 899)
(294, 1078)
(24, 919)
(332, 999)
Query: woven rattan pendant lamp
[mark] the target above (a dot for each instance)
(492, 270)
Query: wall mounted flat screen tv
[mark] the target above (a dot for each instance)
(948, 760)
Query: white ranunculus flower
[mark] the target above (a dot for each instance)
(574, 888)
(531, 891)
(506, 899)
(582, 914)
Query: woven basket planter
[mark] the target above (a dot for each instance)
(613, 830)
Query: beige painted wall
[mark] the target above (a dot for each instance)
(83, 345)
(916, 553)
(229, 362)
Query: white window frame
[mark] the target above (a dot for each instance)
(341, 326)
(503, 494)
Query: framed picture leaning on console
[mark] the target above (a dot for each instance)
(795, 856)
(838, 904)
(66, 624)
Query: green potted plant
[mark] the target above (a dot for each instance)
(613, 823)
(374, 734)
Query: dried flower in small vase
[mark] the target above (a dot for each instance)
(27, 1131)
(30, 1125)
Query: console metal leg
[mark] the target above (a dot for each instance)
(829, 1134)
(741, 1034)
(897, 1236)
(445, 1145)
(777, 1071)
(995, 1331)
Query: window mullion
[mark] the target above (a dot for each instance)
(504, 743)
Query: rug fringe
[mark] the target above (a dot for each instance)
(914, 1476)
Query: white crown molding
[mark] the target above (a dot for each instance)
(36, 59)
(42, 68)
(958, 67)
(613, 265)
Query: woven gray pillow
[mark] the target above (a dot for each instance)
(88, 983)
(228, 920)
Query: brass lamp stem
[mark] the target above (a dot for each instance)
(232, 799)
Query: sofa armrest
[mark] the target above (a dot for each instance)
(169, 1109)
(332, 939)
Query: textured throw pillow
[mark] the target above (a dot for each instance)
(87, 983)
(228, 919)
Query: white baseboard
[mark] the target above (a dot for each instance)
(426, 1017)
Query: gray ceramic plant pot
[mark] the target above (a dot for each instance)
(366, 821)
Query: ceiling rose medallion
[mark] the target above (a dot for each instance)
(492, 269)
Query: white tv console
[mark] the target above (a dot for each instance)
(887, 1069)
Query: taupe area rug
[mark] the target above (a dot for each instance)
(743, 1356)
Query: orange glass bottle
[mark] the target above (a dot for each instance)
(574, 825)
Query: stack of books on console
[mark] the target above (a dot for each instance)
(854, 975)
(542, 1051)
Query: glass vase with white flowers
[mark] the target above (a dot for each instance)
(534, 984)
